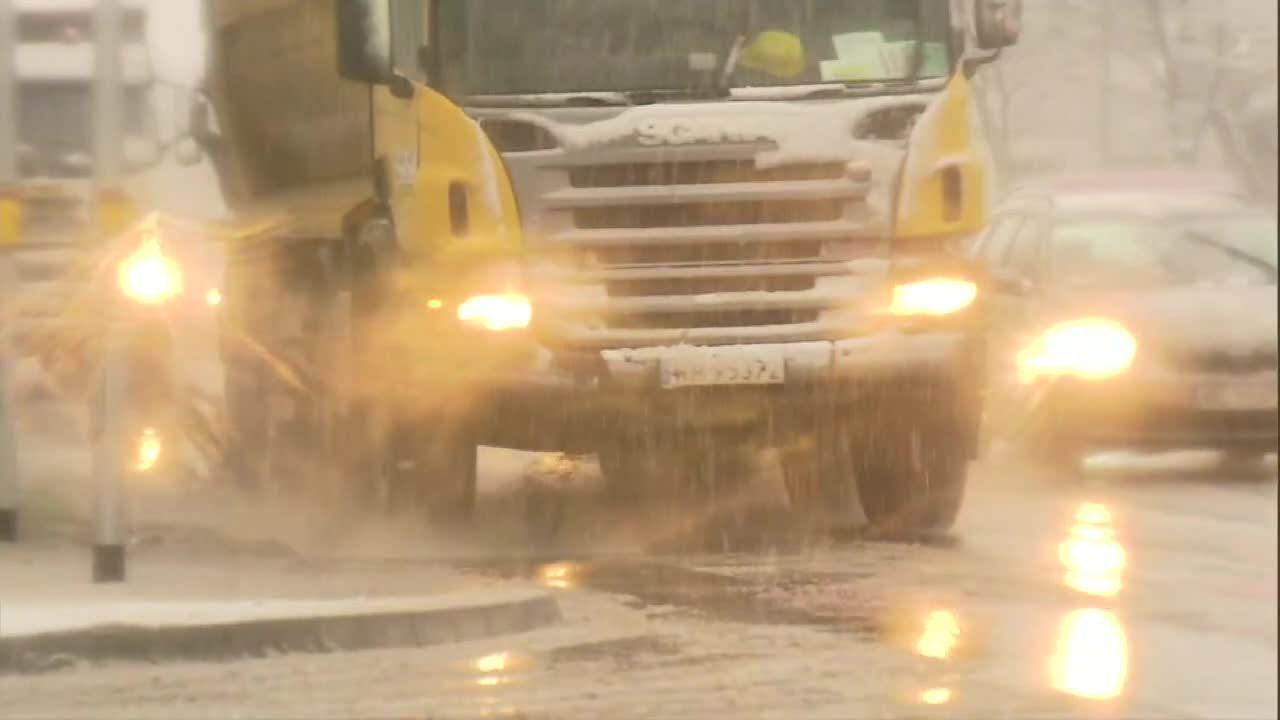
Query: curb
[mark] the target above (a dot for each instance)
(337, 632)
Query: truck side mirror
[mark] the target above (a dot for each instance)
(997, 23)
(364, 40)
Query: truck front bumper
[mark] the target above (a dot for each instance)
(554, 407)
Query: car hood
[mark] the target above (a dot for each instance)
(1235, 319)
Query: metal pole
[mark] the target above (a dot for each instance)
(10, 202)
(110, 457)
(112, 405)
(8, 208)
(10, 228)
(8, 96)
(9, 492)
(1104, 114)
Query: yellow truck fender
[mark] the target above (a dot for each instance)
(457, 158)
(945, 187)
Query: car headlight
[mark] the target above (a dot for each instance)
(1091, 349)
(935, 296)
(497, 313)
(149, 277)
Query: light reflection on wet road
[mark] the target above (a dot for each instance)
(1113, 597)
(1049, 605)
(1091, 657)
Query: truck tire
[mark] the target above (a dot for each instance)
(415, 468)
(911, 474)
(248, 425)
(432, 471)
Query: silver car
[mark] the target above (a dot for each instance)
(1136, 316)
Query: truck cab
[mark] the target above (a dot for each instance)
(372, 294)
(733, 221)
(665, 238)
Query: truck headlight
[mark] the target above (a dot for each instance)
(149, 277)
(935, 296)
(497, 313)
(1091, 349)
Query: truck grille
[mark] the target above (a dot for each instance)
(708, 214)
(692, 243)
(697, 173)
(704, 253)
(732, 319)
(704, 286)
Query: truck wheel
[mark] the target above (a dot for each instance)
(256, 442)
(911, 480)
(431, 471)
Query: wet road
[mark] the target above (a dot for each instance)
(1119, 595)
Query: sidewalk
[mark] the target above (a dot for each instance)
(216, 590)
(213, 573)
(242, 602)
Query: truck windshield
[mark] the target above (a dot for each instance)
(567, 46)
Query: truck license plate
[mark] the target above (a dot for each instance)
(722, 367)
(1241, 395)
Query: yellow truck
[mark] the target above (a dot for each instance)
(660, 232)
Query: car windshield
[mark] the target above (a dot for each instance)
(567, 46)
(1252, 234)
(1127, 252)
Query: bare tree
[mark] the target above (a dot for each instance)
(1098, 84)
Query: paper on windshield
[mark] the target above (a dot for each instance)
(899, 55)
(859, 56)
(866, 56)
(859, 46)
